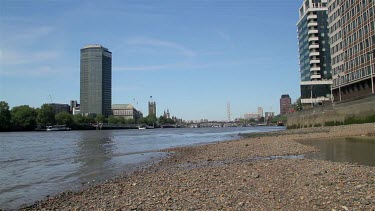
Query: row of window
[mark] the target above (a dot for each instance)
(351, 64)
(363, 72)
(123, 112)
(353, 26)
(356, 50)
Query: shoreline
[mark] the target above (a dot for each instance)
(227, 175)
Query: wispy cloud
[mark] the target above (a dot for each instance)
(24, 35)
(9, 57)
(183, 66)
(36, 71)
(159, 44)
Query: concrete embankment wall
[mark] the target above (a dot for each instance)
(335, 114)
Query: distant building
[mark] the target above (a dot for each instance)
(96, 80)
(260, 111)
(314, 53)
(251, 116)
(285, 103)
(151, 107)
(268, 115)
(127, 111)
(167, 114)
(58, 107)
(73, 106)
(352, 38)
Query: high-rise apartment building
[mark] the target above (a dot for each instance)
(96, 80)
(285, 103)
(352, 39)
(314, 52)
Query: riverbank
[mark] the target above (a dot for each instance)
(242, 174)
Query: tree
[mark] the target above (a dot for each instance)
(79, 119)
(151, 120)
(162, 120)
(90, 118)
(113, 120)
(64, 118)
(23, 117)
(100, 118)
(5, 116)
(46, 115)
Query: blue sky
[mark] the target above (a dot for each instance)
(192, 56)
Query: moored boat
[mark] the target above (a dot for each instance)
(58, 128)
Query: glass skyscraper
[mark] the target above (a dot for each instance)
(96, 80)
(314, 53)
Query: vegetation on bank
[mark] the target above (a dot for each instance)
(26, 118)
(347, 121)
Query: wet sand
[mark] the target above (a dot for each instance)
(258, 172)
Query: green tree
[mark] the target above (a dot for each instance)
(100, 118)
(90, 118)
(5, 116)
(79, 119)
(113, 120)
(151, 120)
(122, 120)
(64, 118)
(162, 120)
(46, 115)
(23, 117)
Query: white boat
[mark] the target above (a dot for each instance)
(58, 128)
(142, 127)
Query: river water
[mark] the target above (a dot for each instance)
(36, 164)
(359, 150)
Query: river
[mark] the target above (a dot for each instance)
(36, 164)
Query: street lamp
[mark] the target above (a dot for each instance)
(371, 68)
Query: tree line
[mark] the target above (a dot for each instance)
(26, 118)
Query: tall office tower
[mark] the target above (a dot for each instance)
(314, 53)
(285, 103)
(96, 80)
(352, 38)
(151, 107)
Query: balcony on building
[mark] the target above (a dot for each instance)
(313, 31)
(313, 46)
(312, 16)
(316, 77)
(314, 53)
(314, 61)
(312, 24)
(315, 69)
(313, 39)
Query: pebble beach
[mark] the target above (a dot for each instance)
(261, 171)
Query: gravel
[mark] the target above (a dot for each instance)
(255, 173)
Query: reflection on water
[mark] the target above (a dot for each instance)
(93, 151)
(359, 150)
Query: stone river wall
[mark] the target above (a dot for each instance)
(356, 111)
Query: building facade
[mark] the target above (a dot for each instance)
(314, 53)
(254, 116)
(127, 111)
(96, 80)
(260, 111)
(58, 107)
(285, 103)
(352, 39)
(151, 108)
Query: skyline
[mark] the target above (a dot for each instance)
(181, 53)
